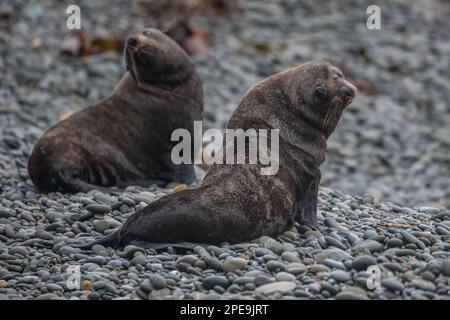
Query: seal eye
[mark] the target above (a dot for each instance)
(321, 93)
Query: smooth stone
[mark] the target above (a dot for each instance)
(213, 263)
(28, 216)
(345, 295)
(371, 245)
(99, 250)
(274, 246)
(446, 268)
(145, 199)
(259, 252)
(405, 252)
(332, 253)
(363, 262)
(54, 287)
(335, 243)
(94, 296)
(334, 264)
(296, 269)
(101, 225)
(428, 275)
(392, 284)
(146, 286)
(340, 276)
(287, 247)
(157, 281)
(422, 284)
(42, 234)
(18, 250)
(243, 280)
(394, 243)
(233, 264)
(392, 266)
(370, 234)
(106, 224)
(99, 196)
(97, 260)
(9, 231)
(280, 286)
(212, 281)
(189, 259)
(67, 250)
(47, 296)
(212, 296)
(315, 268)
(284, 276)
(139, 260)
(159, 294)
(291, 235)
(215, 250)
(99, 208)
(234, 288)
(290, 257)
(331, 223)
(312, 233)
(130, 250)
(262, 279)
(412, 239)
(274, 265)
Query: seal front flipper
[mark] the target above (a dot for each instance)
(306, 209)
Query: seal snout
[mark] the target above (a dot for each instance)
(132, 42)
(347, 92)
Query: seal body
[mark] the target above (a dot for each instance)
(125, 139)
(236, 203)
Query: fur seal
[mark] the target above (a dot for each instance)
(235, 203)
(125, 139)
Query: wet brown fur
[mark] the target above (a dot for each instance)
(125, 139)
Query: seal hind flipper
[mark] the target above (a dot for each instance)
(111, 240)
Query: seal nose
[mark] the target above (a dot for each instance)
(132, 42)
(347, 92)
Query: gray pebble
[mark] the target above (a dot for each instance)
(233, 264)
(340, 276)
(212, 281)
(363, 262)
(99, 208)
(371, 245)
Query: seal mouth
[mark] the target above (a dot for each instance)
(346, 101)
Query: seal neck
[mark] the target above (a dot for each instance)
(128, 86)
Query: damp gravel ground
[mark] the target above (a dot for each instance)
(391, 152)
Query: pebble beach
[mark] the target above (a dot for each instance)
(384, 202)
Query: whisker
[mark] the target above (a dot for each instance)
(325, 119)
(328, 116)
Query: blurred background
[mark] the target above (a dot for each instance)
(393, 142)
